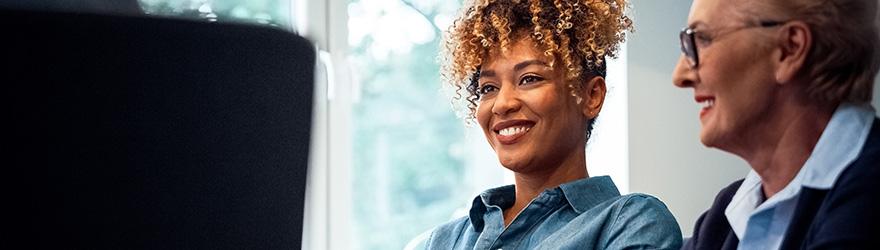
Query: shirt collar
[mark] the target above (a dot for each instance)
(744, 202)
(581, 194)
(585, 194)
(502, 197)
(838, 146)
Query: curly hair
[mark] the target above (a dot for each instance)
(578, 33)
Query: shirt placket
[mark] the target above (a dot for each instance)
(513, 236)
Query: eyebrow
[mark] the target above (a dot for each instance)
(520, 66)
(517, 67)
(486, 73)
(696, 24)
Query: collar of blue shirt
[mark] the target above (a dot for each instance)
(838, 146)
(581, 194)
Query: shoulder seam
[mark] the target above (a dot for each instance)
(628, 197)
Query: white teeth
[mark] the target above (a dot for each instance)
(513, 130)
(708, 103)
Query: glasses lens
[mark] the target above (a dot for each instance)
(687, 46)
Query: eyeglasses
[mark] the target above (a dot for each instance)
(689, 36)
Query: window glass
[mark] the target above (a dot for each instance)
(269, 12)
(412, 157)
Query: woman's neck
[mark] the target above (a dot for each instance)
(530, 185)
(781, 148)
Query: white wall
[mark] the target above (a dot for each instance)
(665, 155)
(876, 101)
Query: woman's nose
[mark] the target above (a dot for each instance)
(506, 101)
(683, 76)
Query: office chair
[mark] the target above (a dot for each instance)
(136, 132)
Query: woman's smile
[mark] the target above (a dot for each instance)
(707, 102)
(510, 132)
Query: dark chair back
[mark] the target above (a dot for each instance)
(146, 133)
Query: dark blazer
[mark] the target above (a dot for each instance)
(844, 217)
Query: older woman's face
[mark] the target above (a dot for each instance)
(526, 110)
(733, 81)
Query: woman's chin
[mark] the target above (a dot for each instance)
(711, 138)
(507, 163)
(706, 139)
(511, 163)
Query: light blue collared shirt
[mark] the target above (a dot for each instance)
(763, 225)
(583, 214)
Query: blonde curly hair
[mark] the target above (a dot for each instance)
(579, 33)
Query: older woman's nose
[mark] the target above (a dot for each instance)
(506, 101)
(683, 76)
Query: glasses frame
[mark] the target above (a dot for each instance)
(687, 37)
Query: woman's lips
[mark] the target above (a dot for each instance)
(510, 132)
(708, 103)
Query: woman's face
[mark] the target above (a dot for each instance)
(733, 82)
(527, 111)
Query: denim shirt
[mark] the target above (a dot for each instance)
(583, 214)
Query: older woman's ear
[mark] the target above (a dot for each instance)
(594, 96)
(793, 42)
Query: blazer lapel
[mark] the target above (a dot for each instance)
(808, 204)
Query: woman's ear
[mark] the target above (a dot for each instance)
(794, 41)
(594, 96)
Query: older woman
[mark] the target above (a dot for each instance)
(787, 85)
(532, 74)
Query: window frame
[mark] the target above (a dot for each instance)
(328, 189)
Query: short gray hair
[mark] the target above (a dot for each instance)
(844, 58)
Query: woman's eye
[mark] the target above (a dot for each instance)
(702, 38)
(486, 89)
(530, 79)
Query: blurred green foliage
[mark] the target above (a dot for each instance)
(270, 12)
(407, 176)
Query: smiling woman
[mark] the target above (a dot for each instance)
(532, 75)
(787, 87)
(528, 116)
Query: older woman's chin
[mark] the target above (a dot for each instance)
(709, 138)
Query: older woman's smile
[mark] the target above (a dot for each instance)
(707, 102)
